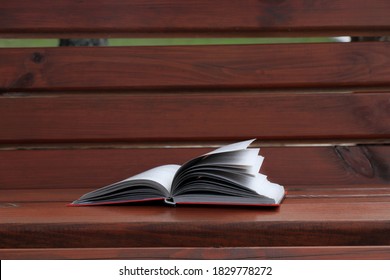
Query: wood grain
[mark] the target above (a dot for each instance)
(310, 166)
(194, 117)
(338, 198)
(262, 253)
(295, 194)
(200, 67)
(53, 225)
(193, 18)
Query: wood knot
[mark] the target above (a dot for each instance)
(37, 57)
(356, 158)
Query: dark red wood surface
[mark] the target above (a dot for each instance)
(351, 227)
(312, 222)
(193, 18)
(309, 166)
(187, 67)
(283, 253)
(295, 194)
(88, 117)
(194, 117)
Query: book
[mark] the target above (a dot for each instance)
(229, 175)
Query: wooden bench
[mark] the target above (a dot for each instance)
(77, 118)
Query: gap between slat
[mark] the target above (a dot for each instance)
(191, 145)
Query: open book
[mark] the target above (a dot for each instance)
(228, 175)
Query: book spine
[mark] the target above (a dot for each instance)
(170, 200)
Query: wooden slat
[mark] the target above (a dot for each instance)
(185, 67)
(262, 253)
(295, 194)
(194, 117)
(309, 166)
(193, 18)
(324, 223)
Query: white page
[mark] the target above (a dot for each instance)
(162, 174)
(255, 168)
(264, 187)
(233, 147)
(243, 158)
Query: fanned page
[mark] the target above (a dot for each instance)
(227, 175)
(233, 147)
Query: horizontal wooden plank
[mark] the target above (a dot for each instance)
(308, 166)
(194, 117)
(262, 253)
(295, 194)
(194, 18)
(53, 225)
(203, 67)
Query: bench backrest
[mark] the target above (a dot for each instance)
(82, 117)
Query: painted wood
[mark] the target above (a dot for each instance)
(262, 253)
(173, 18)
(309, 223)
(310, 166)
(194, 117)
(196, 67)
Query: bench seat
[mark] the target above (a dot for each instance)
(318, 224)
(73, 119)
